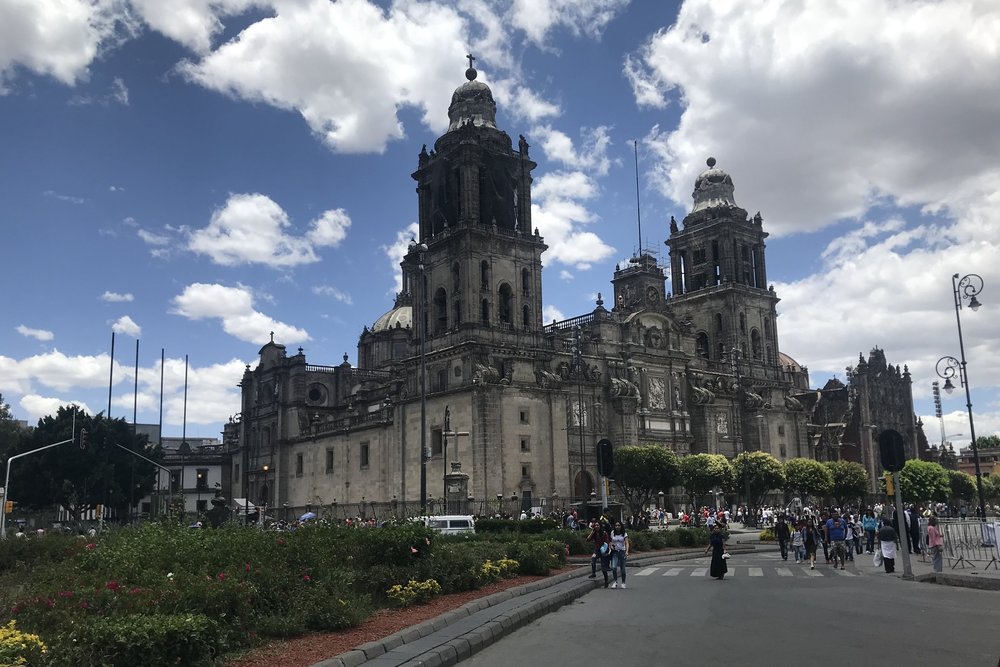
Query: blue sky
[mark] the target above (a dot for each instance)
(198, 173)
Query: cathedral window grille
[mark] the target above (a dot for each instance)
(720, 350)
(364, 455)
(768, 355)
(525, 318)
(329, 461)
(504, 307)
(718, 323)
(299, 465)
(699, 256)
(440, 311)
(484, 312)
(755, 344)
(743, 323)
(456, 317)
(702, 345)
(525, 282)
(456, 278)
(484, 275)
(767, 328)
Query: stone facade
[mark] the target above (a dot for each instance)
(699, 370)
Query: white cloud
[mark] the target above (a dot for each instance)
(125, 325)
(37, 334)
(36, 406)
(193, 23)
(57, 38)
(566, 275)
(115, 297)
(346, 67)
(592, 156)
(397, 251)
(552, 314)
(66, 198)
(115, 188)
(820, 109)
(53, 369)
(119, 92)
(149, 238)
(559, 215)
(251, 229)
(234, 307)
(537, 17)
(338, 294)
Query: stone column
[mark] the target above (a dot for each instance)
(456, 488)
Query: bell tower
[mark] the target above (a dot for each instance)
(719, 274)
(476, 268)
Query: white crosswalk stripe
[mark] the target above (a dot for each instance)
(673, 572)
(783, 572)
(756, 572)
(767, 571)
(699, 572)
(645, 572)
(812, 573)
(846, 573)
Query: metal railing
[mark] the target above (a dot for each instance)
(969, 542)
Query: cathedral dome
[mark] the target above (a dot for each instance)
(713, 188)
(472, 103)
(400, 316)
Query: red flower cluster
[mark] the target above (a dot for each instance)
(65, 594)
(112, 586)
(221, 576)
(91, 546)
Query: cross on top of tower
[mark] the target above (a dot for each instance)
(471, 73)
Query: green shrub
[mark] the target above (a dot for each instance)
(20, 648)
(537, 557)
(525, 527)
(767, 535)
(414, 592)
(150, 640)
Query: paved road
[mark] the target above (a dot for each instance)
(771, 612)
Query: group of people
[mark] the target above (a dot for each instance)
(611, 549)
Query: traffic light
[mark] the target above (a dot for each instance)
(605, 457)
(891, 449)
(890, 490)
(8, 507)
(83, 438)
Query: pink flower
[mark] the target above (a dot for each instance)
(112, 586)
(65, 594)
(221, 576)
(413, 550)
(91, 546)
(246, 568)
(84, 605)
(306, 577)
(135, 590)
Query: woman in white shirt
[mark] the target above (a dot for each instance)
(619, 552)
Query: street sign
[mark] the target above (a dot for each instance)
(605, 457)
(891, 449)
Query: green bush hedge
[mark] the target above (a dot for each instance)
(525, 527)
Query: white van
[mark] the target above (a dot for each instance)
(451, 524)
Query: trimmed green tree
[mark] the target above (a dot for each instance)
(850, 481)
(807, 477)
(962, 485)
(761, 471)
(922, 481)
(642, 471)
(700, 473)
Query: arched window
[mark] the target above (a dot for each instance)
(525, 282)
(504, 305)
(718, 323)
(456, 316)
(440, 311)
(767, 328)
(720, 351)
(702, 345)
(456, 278)
(484, 313)
(755, 344)
(525, 317)
(768, 356)
(743, 323)
(484, 275)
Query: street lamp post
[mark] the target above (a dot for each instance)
(964, 289)
(264, 495)
(578, 366)
(422, 248)
(735, 357)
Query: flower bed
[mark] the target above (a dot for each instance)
(136, 591)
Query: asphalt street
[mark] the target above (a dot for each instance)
(766, 612)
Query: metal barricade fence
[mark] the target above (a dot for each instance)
(969, 542)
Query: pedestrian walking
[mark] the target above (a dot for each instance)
(935, 543)
(619, 553)
(812, 540)
(870, 525)
(798, 542)
(835, 532)
(887, 539)
(782, 533)
(717, 545)
(595, 536)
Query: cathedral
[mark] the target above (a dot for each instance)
(462, 393)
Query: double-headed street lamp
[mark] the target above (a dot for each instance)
(964, 289)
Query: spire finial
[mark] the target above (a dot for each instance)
(710, 162)
(272, 336)
(471, 73)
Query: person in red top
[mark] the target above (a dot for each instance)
(600, 535)
(935, 543)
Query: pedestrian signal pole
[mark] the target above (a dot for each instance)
(893, 455)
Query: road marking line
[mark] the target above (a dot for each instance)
(783, 572)
(673, 572)
(699, 572)
(756, 572)
(812, 573)
(646, 572)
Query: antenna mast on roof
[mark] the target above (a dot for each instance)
(638, 210)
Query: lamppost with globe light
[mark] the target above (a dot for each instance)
(964, 289)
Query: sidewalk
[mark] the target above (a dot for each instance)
(458, 634)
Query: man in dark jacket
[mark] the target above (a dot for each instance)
(782, 533)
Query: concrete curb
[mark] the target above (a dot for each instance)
(960, 580)
(450, 651)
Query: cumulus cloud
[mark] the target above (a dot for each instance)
(252, 229)
(592, 156)
(193, 23)
(57, 38)
(334, 292)
(396, 251)
(537, 17)
(233, 306)
(559, 213)
(126, 325)
(37, 334)
(53, 369)
(552, 314)
(36, 407)
(115, 297)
